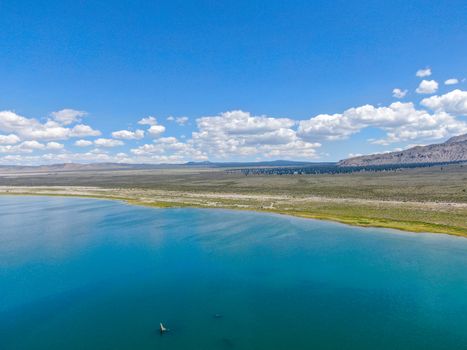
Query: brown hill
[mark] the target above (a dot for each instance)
(453, 150)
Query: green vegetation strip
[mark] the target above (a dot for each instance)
(412, 219)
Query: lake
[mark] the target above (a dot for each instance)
(96, 274)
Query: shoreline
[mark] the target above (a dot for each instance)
(359, 221)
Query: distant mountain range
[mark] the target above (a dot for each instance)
(453, 150)
(125, 166)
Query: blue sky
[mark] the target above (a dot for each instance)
(242, 80)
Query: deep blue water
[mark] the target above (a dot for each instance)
(94, 274)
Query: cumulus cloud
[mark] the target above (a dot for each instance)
(400, 121)
(168, 150)
(128, 135)
(422, 73)
(398, 93)
(238, 134)
(148, 121)
(31, 146)
(32, 129)
(454, 102)
(234, 135)
(82, 130)
(156, 130)
(48, 131)
(452, 81)
(427, 87)
(182, 121)
(54, 145)
(29, 128)
(67, 116)
(83, 143)
(242, 123)
(102, 142)
(330, 126)
(66, 157)
(425, 127)
(9, 139)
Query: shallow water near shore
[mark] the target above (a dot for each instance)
(95, 274)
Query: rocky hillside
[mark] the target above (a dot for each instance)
(453, 150)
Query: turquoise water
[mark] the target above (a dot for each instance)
(92, 274)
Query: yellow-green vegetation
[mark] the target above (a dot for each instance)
(417, 200)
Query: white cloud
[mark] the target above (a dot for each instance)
(156, 130)
(428, 127)
(9, 139)
(454, 102)
(427, 87)
(48, 131)
(24, 147)
(83, 143)
(32, 145)
(335, 126)
(82, 130)
(424, 126)
(422, 73)
(128, 135)
(66, 157)
(182, 121)
(242, 123)
(168, 150)
(67, 116)
(54, 145)
(238, 134)
(232, 135)
(452, 81)
(400, 121)
(29, 128)
(148, 121)
(398, 93)
(102, 142)
(235, 135)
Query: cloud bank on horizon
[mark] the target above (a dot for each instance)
(235, 135)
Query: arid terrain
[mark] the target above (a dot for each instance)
(432, 199)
